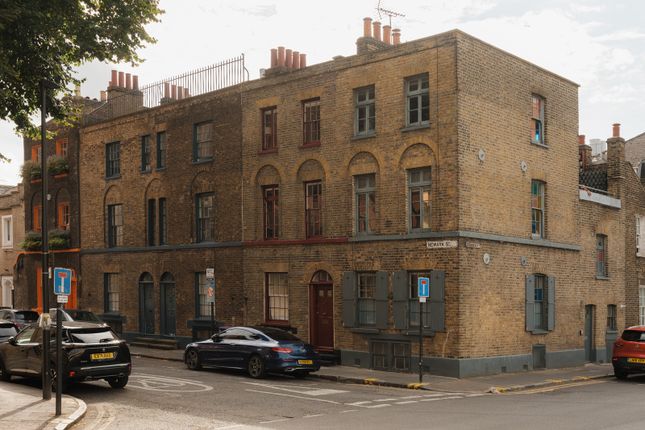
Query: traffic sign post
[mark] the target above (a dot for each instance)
(423, 285)
(62, 289)
(210, 298)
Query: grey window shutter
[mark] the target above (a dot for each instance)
(530, 302)
(551, 303)
(437, 300)
(349, 299)
(380, 300)
(401, 297)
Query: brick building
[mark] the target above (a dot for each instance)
(12, 234)
(320, 194)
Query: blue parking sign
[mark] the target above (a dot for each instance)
(424, 287)
(62, 281)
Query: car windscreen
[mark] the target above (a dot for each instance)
(100, 335)
(280, 335)
(7, 331)
(634, 336)
(26, 316)
(84, 316)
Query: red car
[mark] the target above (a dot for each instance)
(629, 352)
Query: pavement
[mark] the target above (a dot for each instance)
(22, 406)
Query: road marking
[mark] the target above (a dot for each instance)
(359, 403)
(299, 389)
(411, 397)
(291, 395)
(313, 416)
(407, 402)
(557, 387)
(382, 405)
(385, 400)
(436, 394)
(275, 421)
(148, 382)
(440, 398)
(348, 411)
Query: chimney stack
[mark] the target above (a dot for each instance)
(121, 79)
(616, 130)
(128, 81)
(581, 139)
(377, 30)
(296, 60)
(367, 27)
(281, 56)
(114, 81)
(135, 83)
(386, 34)
(303, 61)
(166, 90)
(103, 96)
(289, 58)
(173, 94)
(396, 36)
(274, 57)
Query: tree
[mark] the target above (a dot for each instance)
(43, 40)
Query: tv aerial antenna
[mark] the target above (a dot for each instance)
(389, 13)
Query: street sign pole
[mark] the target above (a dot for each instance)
(212, 318)
(44, 217)
(59, 359)
(210, 295)
(420, 340)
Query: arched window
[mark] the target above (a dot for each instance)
(321, 277)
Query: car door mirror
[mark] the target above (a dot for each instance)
(216, 338)
(12, 340)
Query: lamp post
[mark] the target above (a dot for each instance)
(47, 388)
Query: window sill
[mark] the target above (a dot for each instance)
(160, 169)
(363, 136)
(109, 178)
(310, 145)
(365, 330)
(538, 332)
(427, 332)
(268, 151)
(603, 278)
(144, 172)
(415, 127)
(205, 161)
(541, 145)
(537, 237)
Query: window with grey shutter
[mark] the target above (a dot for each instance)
(400, 299)
(349, 299)
(437, 300)
(380, 299)
(530, 302)
(550, 303)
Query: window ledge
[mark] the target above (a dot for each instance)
(160, 169)
(603, 278)
(268, 151)
(205, 161)
(415, 127)
(363, 136)
(365, 330)
(145, 172)
(310, 145)
(109, 178)
(541, 145)
(537, 332)
(426, 332)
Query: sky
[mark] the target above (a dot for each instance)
(599, 44)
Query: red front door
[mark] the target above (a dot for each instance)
(323, 316)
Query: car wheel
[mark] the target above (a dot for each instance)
(256, 367)
(192, 360)
(620, 374)
(300, 375)
(119, 382)
(52, 375)
(4, 375)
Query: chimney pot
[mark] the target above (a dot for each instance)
(121, 79)
(128, 81)
(274, 57)
(296, 60)
(386, 34)
(103, 96)
(166, 90)
(581, 139)
(174, 92)
(616, 130)
(303, 61)
(115, 80)
(281, 56)
(186, 93)
(180, 93)
(289, 58)
(377, 30)
(367, 27)
(396, 36)
(135, 83)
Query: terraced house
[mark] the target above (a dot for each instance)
(317, 196)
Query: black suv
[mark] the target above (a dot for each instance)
(90, 352)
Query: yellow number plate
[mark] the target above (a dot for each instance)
(102, 356)
(636, 360)
(305, 362)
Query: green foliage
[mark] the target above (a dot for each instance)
(57, 165)
(31, 170)
(42, 40)
(32, 242)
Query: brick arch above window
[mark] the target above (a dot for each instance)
(112, 195)
(417, 155)
(311, 170)
(362, 163)
(268, 175)
(310, 269)
(201, 183)
(154, 189)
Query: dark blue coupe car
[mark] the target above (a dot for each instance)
(257, 350)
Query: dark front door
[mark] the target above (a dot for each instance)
(146, 307)
(168, 308)
(590, 350)
(323, 316)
